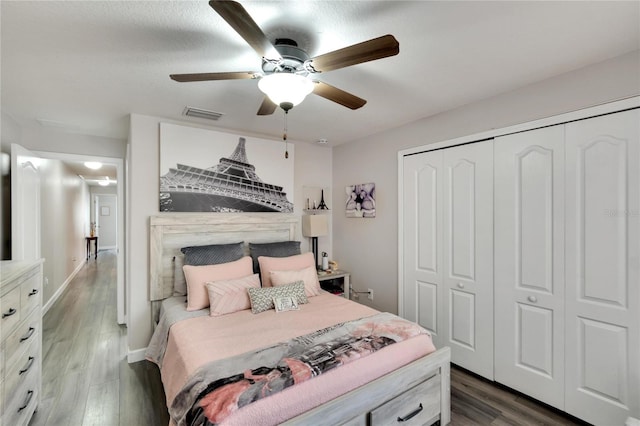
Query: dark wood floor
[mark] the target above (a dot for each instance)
(87, 380)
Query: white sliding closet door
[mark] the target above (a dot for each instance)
(423, 293)
(602, 288)
(468, 255)
(529, 260)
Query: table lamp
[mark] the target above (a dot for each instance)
(314, 226)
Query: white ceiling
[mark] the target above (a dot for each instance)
(84, 66)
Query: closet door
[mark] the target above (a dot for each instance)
(529, 260)
(468, 255)
(423, 293)
(602, 380)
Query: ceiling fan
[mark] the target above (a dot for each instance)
(286, 69)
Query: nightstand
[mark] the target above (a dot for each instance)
(336, 282)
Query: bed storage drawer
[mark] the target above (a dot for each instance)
(417, 406)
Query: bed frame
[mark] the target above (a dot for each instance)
(417, 393)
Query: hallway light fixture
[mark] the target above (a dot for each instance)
(104, 182)
(93, 165)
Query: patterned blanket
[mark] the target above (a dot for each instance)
(220, 388)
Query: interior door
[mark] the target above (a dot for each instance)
(603, 295)
(422, 263)
(529, 259)
(25, 204)
(468, 255)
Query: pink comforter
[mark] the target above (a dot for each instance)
(197, 341)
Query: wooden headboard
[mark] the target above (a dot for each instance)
(170, 232)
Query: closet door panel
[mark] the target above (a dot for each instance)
(422, 263)
(468, 255)
(529, 260)
(602, 293)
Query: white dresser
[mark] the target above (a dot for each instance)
(21, 344)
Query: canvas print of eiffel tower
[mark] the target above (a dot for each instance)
(207, 171)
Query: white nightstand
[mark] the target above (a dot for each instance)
(336, 282)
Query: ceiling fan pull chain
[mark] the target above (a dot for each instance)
(284, 135)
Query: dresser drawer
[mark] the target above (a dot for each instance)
(19, 410)
(10, 312)
(30, 294)
(23, 336)
(24, 369)
(416, 406)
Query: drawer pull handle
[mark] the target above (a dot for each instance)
(28, 334)
(27, 400)
(410, 415)
(532, 299)
(33, 292)
(27, 367)
(9, 313)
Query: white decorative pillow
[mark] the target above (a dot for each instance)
(308, 275)
(228, 296)
(262, 298)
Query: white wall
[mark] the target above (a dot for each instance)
(64, 218)
(368, 247)
(312, 168)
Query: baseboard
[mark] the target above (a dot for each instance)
(136, 356)
(61, 290)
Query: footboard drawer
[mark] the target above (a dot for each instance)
(417, 406)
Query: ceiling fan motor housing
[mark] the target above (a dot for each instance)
(293, 58)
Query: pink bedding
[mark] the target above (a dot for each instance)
(197, 341)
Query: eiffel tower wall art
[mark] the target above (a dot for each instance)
(208, 171)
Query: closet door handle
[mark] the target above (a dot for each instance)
(9, 313)
(460, 285)
(532, 299)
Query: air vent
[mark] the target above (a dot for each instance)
(202, 113)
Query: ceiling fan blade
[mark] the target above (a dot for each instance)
(207, 76)
(366, 51)
(267, 107)
(245, 26)
(337, 95)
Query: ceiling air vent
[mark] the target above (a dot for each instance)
(202, 113)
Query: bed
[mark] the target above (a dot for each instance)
(405, 382)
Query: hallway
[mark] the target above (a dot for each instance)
(86, 377)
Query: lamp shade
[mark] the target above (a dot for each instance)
(285, 87)
(314, 225)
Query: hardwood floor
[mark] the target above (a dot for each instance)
(87, 380)
(86, 377)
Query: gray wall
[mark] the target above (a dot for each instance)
(368, 248)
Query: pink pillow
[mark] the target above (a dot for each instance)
(228, 296)
(197, 276)
(308, 275)
(291, 263)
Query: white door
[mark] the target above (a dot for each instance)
(602, 289)
(25, 204)
(468, 255)
(529, 259)
(422, 248)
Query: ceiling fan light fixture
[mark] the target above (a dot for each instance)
(285, 88)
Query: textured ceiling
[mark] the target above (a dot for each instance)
(84, 66)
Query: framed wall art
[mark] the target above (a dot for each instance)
(208, 171)
(361, 200)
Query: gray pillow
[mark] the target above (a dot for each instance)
(212, 254)
(278, 249)
(262, 298)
